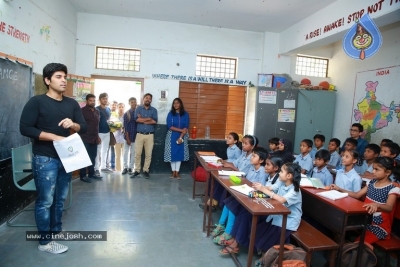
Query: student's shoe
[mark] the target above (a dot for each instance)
(106, 170)
(124, 171)
(130, 171)
(146, 175)
(53, 247)
(218, 230)
(97, 173)
(135, 174)
(86, 179)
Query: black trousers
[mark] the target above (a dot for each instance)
(92, 151)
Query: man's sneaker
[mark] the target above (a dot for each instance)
(106, 170)
(135, 174)
(53, 247)
(86, 179)
(97, 173)
(130, 171)
(125, 171)
(146, 175)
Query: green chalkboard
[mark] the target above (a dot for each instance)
(15, 91)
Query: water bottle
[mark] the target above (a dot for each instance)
(207, 135)
(194, 132)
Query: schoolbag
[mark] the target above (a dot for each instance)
(199, 174)
(349, 255)
(292, 257)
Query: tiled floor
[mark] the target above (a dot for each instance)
(151, 222)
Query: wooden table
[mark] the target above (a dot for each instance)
(198, 160)
(338, 215)
(256, 210)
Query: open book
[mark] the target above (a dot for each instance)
(211, 158)
(244, 189)
(206, 153)
(312, 182)
(332, 194)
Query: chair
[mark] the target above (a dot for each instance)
(23, 179)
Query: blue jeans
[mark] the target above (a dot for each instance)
(52, 184)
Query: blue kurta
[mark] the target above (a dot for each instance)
(173, 151)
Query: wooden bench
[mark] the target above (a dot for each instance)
(310, 239)
(21, 158)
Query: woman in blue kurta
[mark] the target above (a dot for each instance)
(176, 141)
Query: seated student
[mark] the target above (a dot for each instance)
(304, 159)
(233, 152)
(347, 178)
(319, 141)
(273, 145)
(241, 164)
(333, 146)
(355, 133)
(257, 174)
(349, 144)
(287, 192)
(285, 150)
(320, 171)
(381, 194)
(384, 141)
(371, 152)
(391, 150)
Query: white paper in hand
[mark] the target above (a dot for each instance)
(72, 153)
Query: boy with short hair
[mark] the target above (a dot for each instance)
(320, 171)
(390, 150)
(319, 141)
(371, 152)
(273, 145)
(333, 146)
(350, 144)
(304, 159)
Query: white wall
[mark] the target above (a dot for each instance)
(29, 17)
(343, 69)
(162, 45)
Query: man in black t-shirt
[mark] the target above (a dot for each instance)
(47, 118)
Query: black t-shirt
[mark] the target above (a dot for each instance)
(43, 114)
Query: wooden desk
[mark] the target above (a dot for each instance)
(255, 210)
(198, 160)
(338, 215)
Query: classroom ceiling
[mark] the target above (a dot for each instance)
(248, 15)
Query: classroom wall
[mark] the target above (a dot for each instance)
(343, 69)
(163, 44)
(47, 31)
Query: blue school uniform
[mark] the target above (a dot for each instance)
(243, 162)
(335, 159)
(233, 153)
(305, 162)
(268, 232)
(269, 181)
(350, 181)
(324, 175)
(257, 176)
(363, 168)
(314, 151)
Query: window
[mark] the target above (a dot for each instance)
(117, 58)
(218, 67)
(222, 107)
(312, 66)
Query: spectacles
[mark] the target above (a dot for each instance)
(353, 130)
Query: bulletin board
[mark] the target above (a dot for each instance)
(16, 89)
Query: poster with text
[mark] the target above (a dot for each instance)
(376, 103)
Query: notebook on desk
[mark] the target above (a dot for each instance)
(206, 153)
(244, 189)
(312, 182)
(229, 173)
(332, 194)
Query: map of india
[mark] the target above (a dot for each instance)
(373, 114)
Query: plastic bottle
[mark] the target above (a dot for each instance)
(207, 134)
(194, 132)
